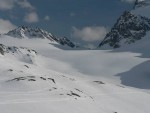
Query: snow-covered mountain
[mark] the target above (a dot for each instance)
(30, 33)
(35, 74)
(38, 76)
(131, 26)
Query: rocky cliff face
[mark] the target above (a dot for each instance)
(129, 28)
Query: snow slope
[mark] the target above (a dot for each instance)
(142, 10)
(37, 77)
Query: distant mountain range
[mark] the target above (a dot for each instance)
(131, 26)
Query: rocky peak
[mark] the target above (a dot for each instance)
(127, 30)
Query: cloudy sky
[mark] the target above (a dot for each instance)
(88, 20)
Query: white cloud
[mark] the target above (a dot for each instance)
(5, 26)
(47, 18)
(31, 17)
(6, 4)
(90, 34)
(10, 4)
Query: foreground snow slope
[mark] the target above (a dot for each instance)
(37, 77)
